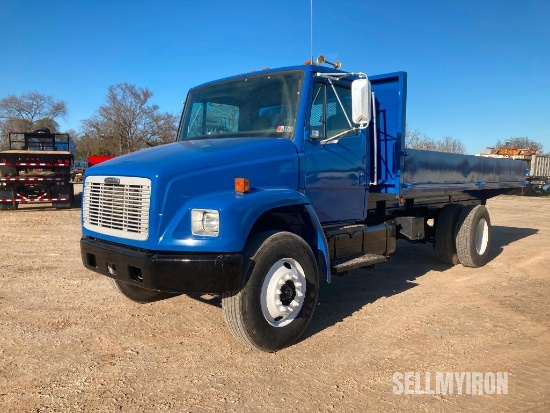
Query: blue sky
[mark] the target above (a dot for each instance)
(478, 70)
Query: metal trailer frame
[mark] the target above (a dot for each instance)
(36, 169)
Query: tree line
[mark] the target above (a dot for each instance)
(127, 122)
(414, 140)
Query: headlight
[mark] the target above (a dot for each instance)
(205, 222)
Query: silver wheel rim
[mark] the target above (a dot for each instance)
(482, 236)
(283, 292)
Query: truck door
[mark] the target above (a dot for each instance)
(336, 171)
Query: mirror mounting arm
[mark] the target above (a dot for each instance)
(335, 137)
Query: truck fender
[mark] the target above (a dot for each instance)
(323, 257)
(262, 202)
(238, 214)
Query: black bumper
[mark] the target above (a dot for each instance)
(163, 271)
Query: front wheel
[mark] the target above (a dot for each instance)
(138, 294)
(277, 300)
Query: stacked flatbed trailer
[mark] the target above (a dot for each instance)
(36, 169)
(537, 167)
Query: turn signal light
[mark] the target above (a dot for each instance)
(242, 185)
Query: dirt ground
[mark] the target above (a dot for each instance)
(70, 343)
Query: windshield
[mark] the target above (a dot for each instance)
(259, 105)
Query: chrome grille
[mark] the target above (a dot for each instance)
(118, 209)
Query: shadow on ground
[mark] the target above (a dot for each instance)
(348, 294)
(503, 236)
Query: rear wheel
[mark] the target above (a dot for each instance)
(276, 303)
(138, 294)
(445, 234)
(473, 238)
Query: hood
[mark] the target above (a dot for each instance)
(183, 172)
(194, 157)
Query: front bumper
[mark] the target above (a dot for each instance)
(164, 271)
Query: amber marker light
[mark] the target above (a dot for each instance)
(242, 185)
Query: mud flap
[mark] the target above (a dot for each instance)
(6, 194)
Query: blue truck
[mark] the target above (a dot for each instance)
(280, 179)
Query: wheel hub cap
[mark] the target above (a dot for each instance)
(283, 292)
(482, 236)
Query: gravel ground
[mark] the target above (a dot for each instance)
(70, 343)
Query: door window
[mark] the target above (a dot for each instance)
(330, 110)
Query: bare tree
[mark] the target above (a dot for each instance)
(35, 109)
(519, 142)
(30, 111)
(87, 145)
(413, 140)
(97, 138)
(451, 145)
(128, 122)
(166, 128)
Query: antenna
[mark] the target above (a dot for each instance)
(311, 28)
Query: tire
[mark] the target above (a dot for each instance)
(473, 238)
(445, 234)
(276, 302)
(138, 294)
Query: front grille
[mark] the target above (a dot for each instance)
(117, 209)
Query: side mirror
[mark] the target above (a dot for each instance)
(361, 102)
